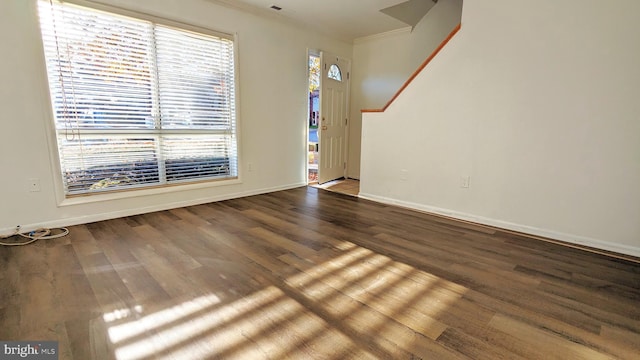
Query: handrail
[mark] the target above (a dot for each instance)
(413, 76)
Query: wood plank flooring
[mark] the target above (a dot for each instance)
(310, 274)
(342, 186)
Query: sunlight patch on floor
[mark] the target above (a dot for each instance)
(121, 332)
(158, 338)
(368, 293)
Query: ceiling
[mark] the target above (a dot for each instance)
(343, 19)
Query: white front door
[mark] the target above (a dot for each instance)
(334, 117)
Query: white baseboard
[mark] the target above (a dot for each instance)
(545, 233)
(143, 210)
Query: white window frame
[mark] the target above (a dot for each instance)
(62, 198)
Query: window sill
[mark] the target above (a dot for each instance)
(110, 196)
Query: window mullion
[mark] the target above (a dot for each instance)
(156, 106)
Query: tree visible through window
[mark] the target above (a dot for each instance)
(314, 73)
(137, 103)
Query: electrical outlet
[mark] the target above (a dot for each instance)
(249, 167)
(464, 181)
(34, 185)
(404, 175)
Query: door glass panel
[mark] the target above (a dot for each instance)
(335, 73)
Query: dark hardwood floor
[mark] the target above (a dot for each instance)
(310, 274)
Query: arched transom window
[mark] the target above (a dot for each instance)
(334, 73)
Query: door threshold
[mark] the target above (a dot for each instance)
(343, 186)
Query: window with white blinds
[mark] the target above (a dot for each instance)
(137, 103)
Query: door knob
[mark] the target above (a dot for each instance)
(324, 127)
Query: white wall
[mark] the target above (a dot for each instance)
(383, 62)
(538, 102)
(273, 96)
